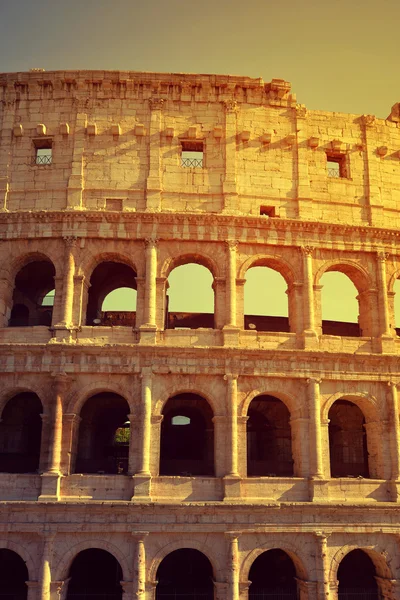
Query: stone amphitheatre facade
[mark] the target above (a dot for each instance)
(153, 454)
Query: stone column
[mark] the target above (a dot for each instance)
(315, 428)
(301, 152)
(233, 565)
(132, 453)
(150, 286)
(54, 456)
(395, 433)
(309, 321)
(76, 181)
(139, 565)
(144, 454)
(44, 442)
(51, 476)
(45, 576)
(372, 171)
(142, 478)
(382, 294)
(68, 284)
(70, 442)
(229, 189)
(307, 590)
(154, 178)
(6, 291)
(232, 450)
(322, 566)
(231, 283)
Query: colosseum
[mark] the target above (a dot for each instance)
(160, 454)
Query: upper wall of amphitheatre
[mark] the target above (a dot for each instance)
(117, 137)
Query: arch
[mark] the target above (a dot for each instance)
(190, 299)
(20, 434)
(277, 263)
(291, 403)
(191, 543)
(77, 398)
(357, 572)
(105, 278)
(367, 403)
(31, 284)
(187, 445)
(291, 549)
(171, 390)
(24, 259)
(273, 572)
(354, 271)
(185, 572)
(95, 571)
(347, 440)
(101, 448)
(266, 300)
(203, 259)
(62, 567)
(21, 550)
(13, 575)
(91, 261)
(269, 438)
(376, 552)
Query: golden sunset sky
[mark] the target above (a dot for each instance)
(339, 55)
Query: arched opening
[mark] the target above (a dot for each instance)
(347, 440)
(185, 573)
(95, 573)
(187, 437)
(13, 575)
(32, 285)
(273, 576)
(190, 297)
(112, 295)
(356, 576)
(20, 434)
(265, 300)
(104, 432)
(340, 307)
(269, 438)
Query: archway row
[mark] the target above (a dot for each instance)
(190, 300)
(107, 437)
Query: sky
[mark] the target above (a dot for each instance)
(339, 55)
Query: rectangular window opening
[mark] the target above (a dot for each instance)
(43, 151)
(114, 204)
(336, 166)
(192, 153)
(267, 211)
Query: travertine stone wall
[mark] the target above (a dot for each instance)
(115, 191)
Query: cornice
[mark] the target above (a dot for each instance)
(207, 361)
(352, 235)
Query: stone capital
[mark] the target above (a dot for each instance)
(232, 245)
(150, 242)
(70, 241)
(156, 103)
(307, 250)
(313, 380)
(382, 256)
(231, 106)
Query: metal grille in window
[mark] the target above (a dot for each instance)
(192, 162)
(333, 172)
(43, 157)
